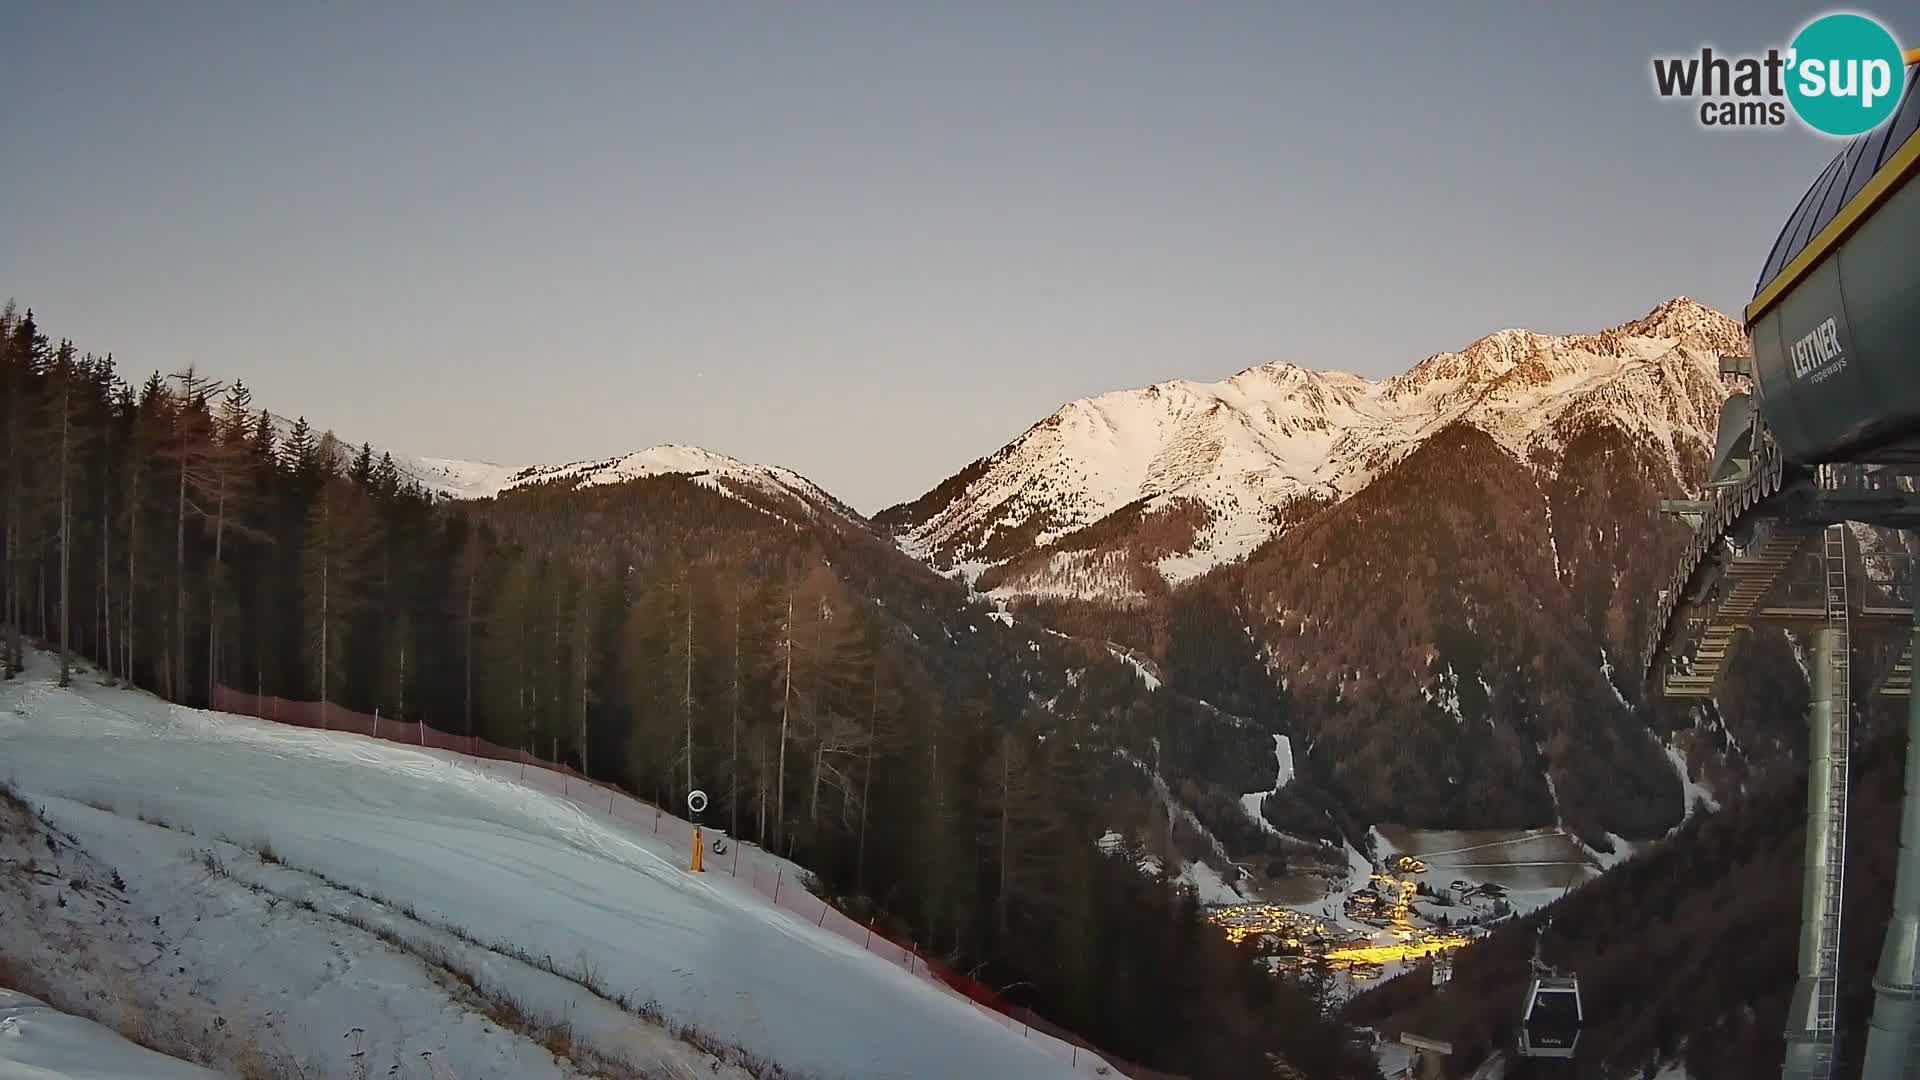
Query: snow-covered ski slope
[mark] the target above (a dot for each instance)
(506, 862)
(38, 1042)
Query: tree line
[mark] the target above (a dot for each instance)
(838, 702)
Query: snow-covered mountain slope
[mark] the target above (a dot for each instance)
(458, 479)
(455, 478)
(717, 471)
(418, 844)
(1190, 475)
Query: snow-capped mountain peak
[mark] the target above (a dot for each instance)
(1189, 475)
(457, 478)
(1689, 322)
(711, 469)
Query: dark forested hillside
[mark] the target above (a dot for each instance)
(943, 768)
(1448, 665)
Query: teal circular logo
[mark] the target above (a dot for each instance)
(1844, 74)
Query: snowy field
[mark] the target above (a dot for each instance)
(383, 854)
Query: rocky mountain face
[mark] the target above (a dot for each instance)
(1115, 498)
(1442, 578)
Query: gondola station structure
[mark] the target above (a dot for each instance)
(1827, 436)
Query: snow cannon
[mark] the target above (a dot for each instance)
(697, 803)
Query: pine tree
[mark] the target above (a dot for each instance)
(809, 672)
(756, 686)
(104, 417)
(394, 669)
(26, 358)
(224, 492)
(1020, 823)
(556, 697)
(882, 701)
(468, 577)
(385, 481)
(302, 455)
(14, 385)
(188, 454)
(275, 568)
(265, 448)
(655, 683)
(116, 438)
(837, 731)
(733, 716)
(508, 653)
(341, 535)
(153, 420)
(939, 856)
(64, 377)
(788, 704)
(684, 646)
(580, 645)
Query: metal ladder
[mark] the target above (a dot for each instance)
(1827, 1001)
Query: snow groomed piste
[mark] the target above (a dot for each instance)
(555, 867)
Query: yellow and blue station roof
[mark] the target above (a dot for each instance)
(1873, 166)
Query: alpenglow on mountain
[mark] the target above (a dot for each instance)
(1117, 496)
(772, 488)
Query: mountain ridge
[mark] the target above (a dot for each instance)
(1278, 410)
(1210, 471)
(464, 479)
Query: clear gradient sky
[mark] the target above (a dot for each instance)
(871, 241)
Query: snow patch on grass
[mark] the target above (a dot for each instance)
(38, 1040)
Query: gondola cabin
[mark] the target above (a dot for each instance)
(1551, 1026)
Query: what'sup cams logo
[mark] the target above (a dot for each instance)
(1842, 74)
